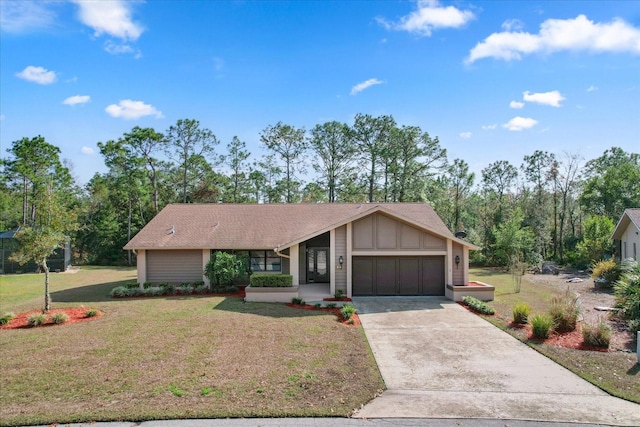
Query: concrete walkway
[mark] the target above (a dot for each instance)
(440, 361)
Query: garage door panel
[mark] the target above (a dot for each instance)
(433, 276)
(174, 266)
(386, 276)
(363, 278)
(409, 272)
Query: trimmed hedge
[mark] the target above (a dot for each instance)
(477, 305)
(271, 281)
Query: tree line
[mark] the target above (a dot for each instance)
(549, 207)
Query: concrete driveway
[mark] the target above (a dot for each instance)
(440, 361)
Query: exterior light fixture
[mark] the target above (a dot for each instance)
(340, 261)
(457, 259)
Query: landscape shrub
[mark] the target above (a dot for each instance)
(297, 301)
(153, 292)
(59, 318)
(606, 272)
(627, 293)
(564, 311)
(37, 319)
(598, 335)
(339, 294)
(477, 305)
(541, 325)
(317, 306)
(91, 313)
(521, 313)
(347, 311)
(202, 289)
(331, 305)
(271, 280)
(184, 289)
(6, 318)
(222, 268)
(119, 292)
(168, 289)
(132, 285)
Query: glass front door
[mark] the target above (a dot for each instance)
(318, 265)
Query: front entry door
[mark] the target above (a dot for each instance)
(318, 265)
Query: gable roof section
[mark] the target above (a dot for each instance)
(266, 226)
(628, 216)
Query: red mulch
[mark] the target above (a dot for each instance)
(345, 299)
(75, 315)
(335, 311)
(571, 339)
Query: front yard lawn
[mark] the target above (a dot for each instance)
(176, 357)
(615, 372)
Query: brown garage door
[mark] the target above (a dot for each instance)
(398, 276)
(174, 266)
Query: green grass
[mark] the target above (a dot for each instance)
(133, 362)
(615, 372)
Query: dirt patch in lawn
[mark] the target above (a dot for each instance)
(75, 315)
(590, 297)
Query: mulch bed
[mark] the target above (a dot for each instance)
(335, 311)
(76, 315)
(572, 339)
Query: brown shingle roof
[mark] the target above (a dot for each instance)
(266, 226)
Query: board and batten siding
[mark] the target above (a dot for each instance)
(174, 266)
(382, 233)
(458, 270)
(341, 250)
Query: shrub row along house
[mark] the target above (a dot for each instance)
(359, 249)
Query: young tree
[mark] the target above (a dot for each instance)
(332, 143)
(288, 143)
(52, 219)
(188, 145)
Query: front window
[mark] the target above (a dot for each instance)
(265, 261)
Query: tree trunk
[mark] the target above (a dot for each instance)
(129, 231)
(47, 297)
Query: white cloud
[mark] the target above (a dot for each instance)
(38, 75)
(489, 127)
(465, 135)
(22, 16)
(516, 104)
(364, 85)
(555, 35)
(553, 98)
(592, 88)
(429, 16)
(111, 17)
(512, 25)
(87, 151)
(77, 99)
(128, 109)
(519, 123)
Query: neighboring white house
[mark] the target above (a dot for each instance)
(627, 234)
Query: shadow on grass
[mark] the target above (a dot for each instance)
(634, 369)
(90, 293)
(267, 309)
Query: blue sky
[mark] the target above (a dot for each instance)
(494, 80)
